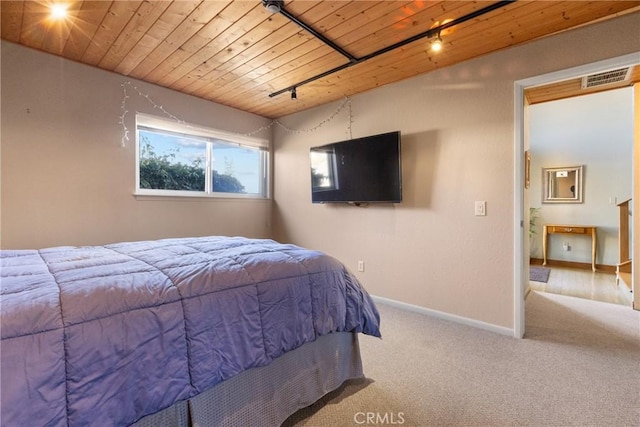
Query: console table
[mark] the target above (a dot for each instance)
(583, 230)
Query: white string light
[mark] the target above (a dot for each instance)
(125, 130)
(347, 101)
(123, 108)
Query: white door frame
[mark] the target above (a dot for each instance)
(520, 272)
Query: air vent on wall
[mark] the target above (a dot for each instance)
(606, 78)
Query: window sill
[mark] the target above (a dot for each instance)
(198, 198)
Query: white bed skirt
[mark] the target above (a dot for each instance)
(268, 395)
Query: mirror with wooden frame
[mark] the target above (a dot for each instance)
(562, 185)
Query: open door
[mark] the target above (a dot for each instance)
(625, 263)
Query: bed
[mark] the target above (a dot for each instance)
(224, 330)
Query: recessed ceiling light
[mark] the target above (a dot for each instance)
(59, 11)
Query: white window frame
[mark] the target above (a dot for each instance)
(149, 122)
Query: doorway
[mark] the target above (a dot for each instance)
(522, 196)
(588, 133)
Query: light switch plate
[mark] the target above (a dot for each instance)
(481, 208)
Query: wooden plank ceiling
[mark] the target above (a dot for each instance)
(237, 53)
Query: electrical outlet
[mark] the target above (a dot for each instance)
(566, 246)
(481, 208)
(361, 266)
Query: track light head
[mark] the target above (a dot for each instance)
(436, 44)
(273, 6)
(294, 94)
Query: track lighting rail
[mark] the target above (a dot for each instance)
(353, 60)
(318, 35)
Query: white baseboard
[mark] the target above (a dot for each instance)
(445, 316)
(527, 292)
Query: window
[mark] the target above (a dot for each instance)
(174, 159)
(324, 175)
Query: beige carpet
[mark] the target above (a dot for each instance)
(579, 365)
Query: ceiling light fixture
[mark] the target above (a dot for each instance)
(273, 6)
(59, 11)
(294, 94)
(436, 44)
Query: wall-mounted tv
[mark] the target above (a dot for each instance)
(361, 170)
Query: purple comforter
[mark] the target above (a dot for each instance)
(102, 336)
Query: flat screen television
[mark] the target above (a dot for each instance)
(361, 170)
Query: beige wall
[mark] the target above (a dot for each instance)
(457, 129)
(66, 179)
